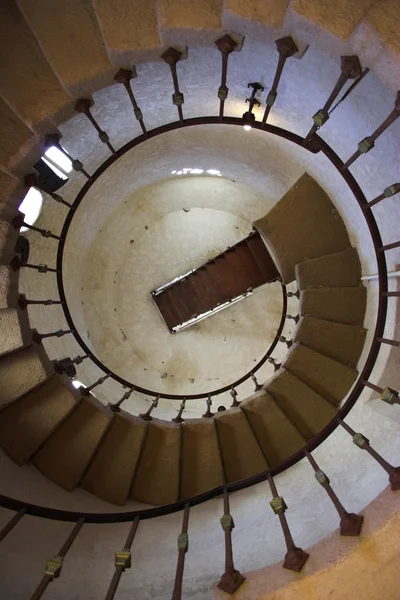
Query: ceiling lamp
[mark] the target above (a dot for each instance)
(248, 117)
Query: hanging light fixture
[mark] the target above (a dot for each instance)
(248, 117)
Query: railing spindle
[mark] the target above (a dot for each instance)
(350, 69)
(286, 48)
(277, 366)
(179, 418)
(389, 342)
(54, 565)
(31, 180)
(19, 222)
(83, 105)
(369, 142)
(16, 263)
(295, 294)
(12, 523)
(296, 318)
(295, 558)
(285, 341)
(234, 394)
(38, 337)
(225, 45)
(116, 407)
(350, 523)
(124, 76)
(208, 414)
(147, 415)
(232, 578)
(363, 443)
(387, 193)
(122, 560)
(183, 545)
(257, 386)
(172, 57)
(85, 391)
(23, 302)
(387, 394)
(53, 139)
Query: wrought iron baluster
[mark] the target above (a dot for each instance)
(83, 105)
(53, 139)
(363, 443)
(147, 415)
(122, 560)
(350, 69)
(234, 394)
(54, 565)
(23, 302)
(232, 578)
(350, 523)
(387, 193)
(179, 418)
(225, 45)
(208, 412)
(295, 558)
(16, 263)
(19, 222)
(124, 76)
(387, 394)
(257, 386)
(369, 142)
(38, 337)
(85, 391)
(12, 523)
(31, 180)
(277, 366)
(286, 48)
(172, 57)
(116, 407)
(183, 546)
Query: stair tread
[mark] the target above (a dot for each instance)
(22, 371)
(157, 476)
(342, 305)
(340, 269)
(343, 343)
(27, 423)
(64, 457)
(111, 471)
(275, 433)
(308, 411)
(241, 455)
(12, 337)
(262, 257)
(8, 286)
(201, 466)
(326, 376)
(304, 224)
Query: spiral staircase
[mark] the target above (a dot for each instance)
(57, 57)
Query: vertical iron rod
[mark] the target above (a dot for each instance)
(122, 560)
(83, 105)
(225, 45)
(172, 57)
(183, 545)
(53, 139)
(31, 180)
(232, 578)
(124, 76)
(286, 48)
(12, 523)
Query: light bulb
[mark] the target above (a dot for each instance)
(247, 127)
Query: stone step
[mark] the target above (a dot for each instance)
(157, 476)
(111, 471)
(241, 455)
(329, 378)
(27, 423)
(15, 332)
(185, 23)
(308, 411)
(340, 269)
(71, 41)
(8, 287)
(343, 343)
(304, 224)
(65, 456)
(201, 466)
(17, 139)
(277, 436)
(342, 305)
(21, 372)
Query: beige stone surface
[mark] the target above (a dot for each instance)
(111, 471)
(20, 372)
(8, 186)
(241, 455)
(27, 81)
(307, 410)
(275, 433)
(69, 36)
(268, 12)
(16, 139)
(158, 474)
(29, 421)
(73, 444)
(343, 343)
(304, 224)
(201, 459)
(190, 14)
(384, 16)
(342, 305)
(340, 17)
(329, 378)
(12, 337)
(8, 286)
(340, 269)
(129, 28)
